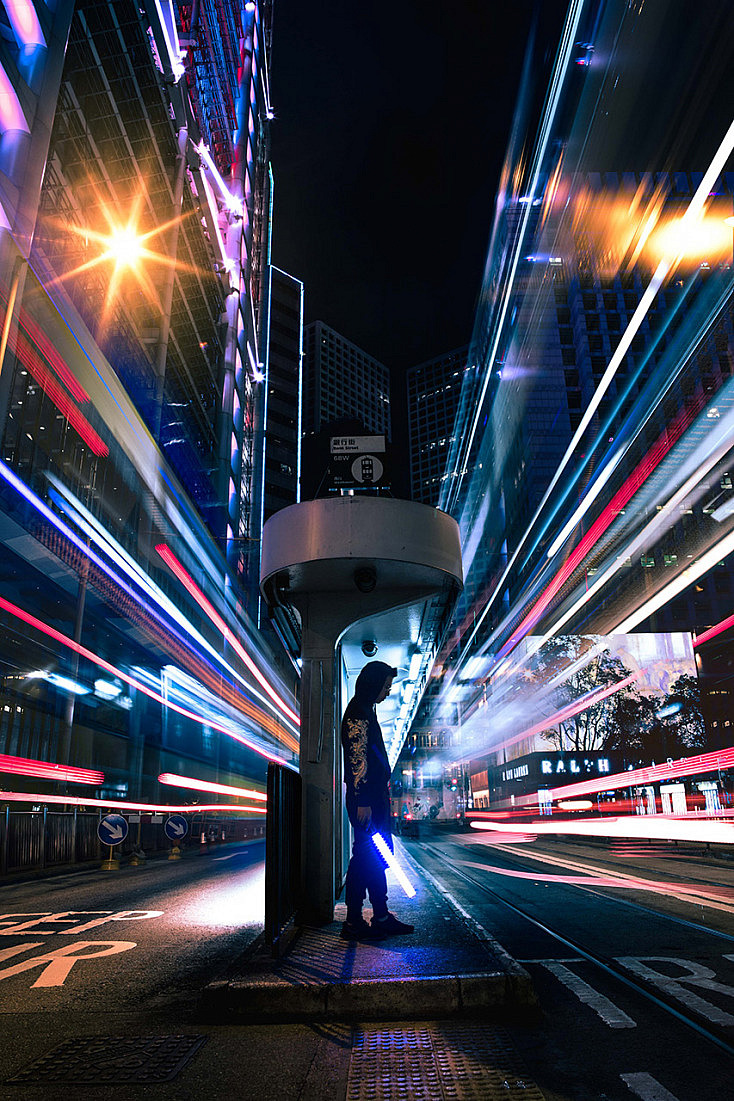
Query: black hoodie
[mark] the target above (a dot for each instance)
(366, 766)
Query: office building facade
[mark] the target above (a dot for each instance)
(342, 382)
(433, 393)
(284, 383)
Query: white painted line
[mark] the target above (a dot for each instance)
(698, 975)
(611, 1014)
(647, 1087)
(230, 856)
(556, 959)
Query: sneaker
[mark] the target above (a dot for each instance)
(390, 926)
(356, 930)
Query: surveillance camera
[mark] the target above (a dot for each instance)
(365, 578)
(369, 647)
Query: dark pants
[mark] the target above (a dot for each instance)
(366, 871)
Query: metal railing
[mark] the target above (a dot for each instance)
(282, 857)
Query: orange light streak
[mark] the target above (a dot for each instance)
(207, 785)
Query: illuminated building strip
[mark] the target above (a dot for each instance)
(24, 21)
(119, 804)
(32, 621)
(33, 363)
(191, 587)
(47, 770)
(207, 785)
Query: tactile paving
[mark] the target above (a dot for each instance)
(100, 1060)
(445, 1061)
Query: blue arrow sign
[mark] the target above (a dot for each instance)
(176, 827)
(112, 829)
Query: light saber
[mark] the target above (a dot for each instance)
(384, 851)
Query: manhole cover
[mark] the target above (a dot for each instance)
(118, 1059)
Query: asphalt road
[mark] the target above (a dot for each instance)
(120, 957)
(583, 919)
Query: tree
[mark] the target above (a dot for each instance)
(613, 722)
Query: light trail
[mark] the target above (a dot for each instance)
(692, 212)
(575, 708)
(120, 804)
(191, 587)
(48, 770)
(649, 826)
(58, 636)
(97, 534)
(208, 785)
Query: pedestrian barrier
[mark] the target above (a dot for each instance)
(282, 856)
(44, 839)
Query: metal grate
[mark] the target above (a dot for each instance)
(449, 1061)
(99, 1060)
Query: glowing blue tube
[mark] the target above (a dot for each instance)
(384, 851)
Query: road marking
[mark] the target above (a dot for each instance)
(611, 1014)
(7, 953)
(231, 856)
(60, 962)
(698, 975)
(68, 917)
(647, 1087)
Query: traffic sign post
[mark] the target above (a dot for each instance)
(175, 829)
(112, 830)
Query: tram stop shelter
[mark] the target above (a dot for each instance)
(348, 579)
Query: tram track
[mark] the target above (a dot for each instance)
(608, 966)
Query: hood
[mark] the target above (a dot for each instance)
(371, 679)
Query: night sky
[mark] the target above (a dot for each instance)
(391, 127)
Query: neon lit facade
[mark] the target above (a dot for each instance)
(132, 402)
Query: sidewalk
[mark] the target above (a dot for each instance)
(450, 966)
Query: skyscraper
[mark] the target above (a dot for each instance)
(341, 381)
(433, 390)
(282, 415)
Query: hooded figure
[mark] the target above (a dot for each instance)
(367, 778)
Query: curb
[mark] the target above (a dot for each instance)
(364, 999)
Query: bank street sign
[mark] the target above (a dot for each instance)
(357, 461)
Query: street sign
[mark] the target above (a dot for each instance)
(357, 461)
(176, 827)
(112, 829)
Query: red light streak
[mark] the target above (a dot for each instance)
(40, 339)
(712, 632)
(118, 804)
(208, 785)
(47, 770)
(191, 587)
(45, 629)
(30, 359)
